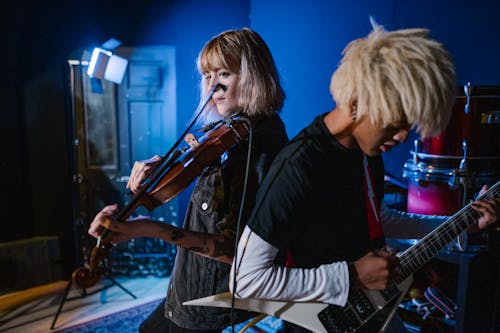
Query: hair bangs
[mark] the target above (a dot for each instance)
(214, 56)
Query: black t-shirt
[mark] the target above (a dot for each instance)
(312, 201)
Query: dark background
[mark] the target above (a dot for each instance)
(305, 37)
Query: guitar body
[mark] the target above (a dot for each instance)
(299, 313)
(366, 311)
(321, 317)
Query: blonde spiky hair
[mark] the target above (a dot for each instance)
(394, 76)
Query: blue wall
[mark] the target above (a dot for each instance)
(307, 38)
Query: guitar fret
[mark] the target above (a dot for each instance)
(439, 241)
(417, 255)
(436, 246)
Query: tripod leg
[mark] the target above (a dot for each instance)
(120, 286)
(68, 287)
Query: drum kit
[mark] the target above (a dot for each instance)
(445, 172)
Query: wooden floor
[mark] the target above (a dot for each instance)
(101, 300)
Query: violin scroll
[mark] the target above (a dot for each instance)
(88, 276)
(85, 278)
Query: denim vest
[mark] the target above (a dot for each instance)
(214, 208)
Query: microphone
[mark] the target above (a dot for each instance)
(211, 92)
(216, 86)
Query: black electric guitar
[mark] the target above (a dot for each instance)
(366, 310)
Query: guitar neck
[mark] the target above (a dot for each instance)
(420, 253)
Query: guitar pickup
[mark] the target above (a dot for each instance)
(338, 319)
(361, 303)
(390, 292)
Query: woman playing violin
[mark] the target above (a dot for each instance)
(239, 65)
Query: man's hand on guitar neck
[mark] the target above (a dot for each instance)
(489, 210)
(374, 271)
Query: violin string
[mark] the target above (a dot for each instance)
(162, 165)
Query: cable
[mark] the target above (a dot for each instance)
(240, 214)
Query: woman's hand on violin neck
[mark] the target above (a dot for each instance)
(140, 171)
(96, 227)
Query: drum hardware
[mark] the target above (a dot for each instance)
(467, 91)
(416, 144)
(492, 117)
(437, 180)
(462, 171)
(425, 172)
(464, 165)
(428, 169)
(464, 176)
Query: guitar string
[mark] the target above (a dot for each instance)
(431, 244)
(446, 229)
(427, 248)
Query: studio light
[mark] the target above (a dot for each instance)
(105, 65)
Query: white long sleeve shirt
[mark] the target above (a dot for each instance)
(257, 275)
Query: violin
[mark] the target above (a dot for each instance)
(169, 178)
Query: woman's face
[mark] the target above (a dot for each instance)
(225, 96)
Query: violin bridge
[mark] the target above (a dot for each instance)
(191, 140)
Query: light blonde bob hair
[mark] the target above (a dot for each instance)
(397, 76)
(244, 52)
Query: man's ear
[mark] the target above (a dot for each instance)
(354, 110)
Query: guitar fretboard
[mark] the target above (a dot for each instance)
(420, 253)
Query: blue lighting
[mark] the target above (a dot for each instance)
(105, 65)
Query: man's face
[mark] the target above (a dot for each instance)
(374, 139)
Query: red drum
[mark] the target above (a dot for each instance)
(432, 198)
(446, 170)
(476, 119)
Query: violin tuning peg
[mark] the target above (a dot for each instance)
(191, 140)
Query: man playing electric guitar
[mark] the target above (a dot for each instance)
(319, 219)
